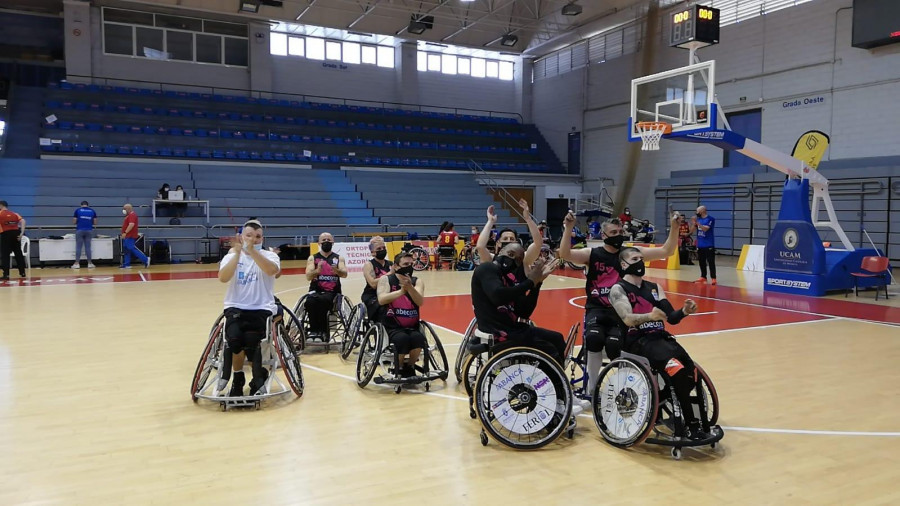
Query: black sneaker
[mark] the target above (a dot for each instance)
(408, 371)
(237, 385)
(696, 432)
(258, 386)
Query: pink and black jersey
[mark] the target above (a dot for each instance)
(402, 313)
(328, 280)
(379, 270)
(643, 299)
(602, 274)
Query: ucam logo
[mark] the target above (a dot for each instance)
(789, 283)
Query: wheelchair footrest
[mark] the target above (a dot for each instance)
(716, 434)
(412, 380)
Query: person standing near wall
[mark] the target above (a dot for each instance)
(85, 219)
(129, 237)
(705, 224)
(12, 228)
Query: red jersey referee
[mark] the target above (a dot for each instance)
(12, 228)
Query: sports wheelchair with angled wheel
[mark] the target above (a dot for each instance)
(632, 401)
(523, 399)
(376, 353)
(344, 323)
(278, 353)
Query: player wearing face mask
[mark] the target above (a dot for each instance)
(373, 270)
(644, 309)
(401, 295)
(324, 271)
(602, 326)
(502, 301)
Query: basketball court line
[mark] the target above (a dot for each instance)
(808, 432)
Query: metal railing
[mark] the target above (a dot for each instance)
(511, 203)
(222, 90)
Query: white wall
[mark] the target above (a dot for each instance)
(557, 106)
(798, 52)
(312, 77)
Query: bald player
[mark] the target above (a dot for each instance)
(324, 271)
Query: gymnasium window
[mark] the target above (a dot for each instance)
(465, 65)
(626, 40)
(317, 48)
(181, 38)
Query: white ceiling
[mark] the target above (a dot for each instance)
(479, 23)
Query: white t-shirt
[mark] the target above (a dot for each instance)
(251, 288)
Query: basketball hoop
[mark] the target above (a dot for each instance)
(651, 132)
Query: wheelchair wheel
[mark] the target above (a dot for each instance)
(287, 354)
(625, 403)
(420, 258)
(339, 320)
(353, 333)
(470, 369)
(523, 398)
(209, 359)
(463, 351)
(705, 396)
(437, 358)
(369, 355)
(297, 328)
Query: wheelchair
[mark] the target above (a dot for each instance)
(377, 353)
(468, 260)
(477, 346)
(446, 254)
(421, 256)
(344, 323)
(631, 401)
(277, 353)
(523, 399)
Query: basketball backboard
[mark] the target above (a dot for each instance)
(683, 97)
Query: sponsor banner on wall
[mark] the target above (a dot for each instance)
(355, 254)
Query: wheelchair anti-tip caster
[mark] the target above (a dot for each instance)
(484, 438)
(472, 414)
(397, 389)
(427, 387)
(676, 453)
(713, 445)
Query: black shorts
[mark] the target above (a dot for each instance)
(603, 328)
(244, 329)
(373, 308)
(406, 340)
(550, 342)
(665, 355)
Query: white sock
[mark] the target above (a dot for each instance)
(594, 364)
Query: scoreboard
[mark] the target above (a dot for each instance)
(694, 27)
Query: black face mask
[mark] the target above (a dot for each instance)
(614, 241)
(635, 269)
(381, 254)
(506, 263)
(406, 271)
(326, 246)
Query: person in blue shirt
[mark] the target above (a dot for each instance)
(594, 228)
(705, 225)
(85, 219)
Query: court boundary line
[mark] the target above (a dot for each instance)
(764, 430)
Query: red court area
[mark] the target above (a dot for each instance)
(560, 309)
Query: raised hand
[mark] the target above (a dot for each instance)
(569, 219)
(490, 214)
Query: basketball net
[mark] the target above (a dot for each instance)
(651, 132)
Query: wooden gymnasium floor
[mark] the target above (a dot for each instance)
(95, 369)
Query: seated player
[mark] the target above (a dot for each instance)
(373, 270)
(447, 244)
(401, 295)
(643, 307)
(324, 271)
(250, 272)
(503, 303)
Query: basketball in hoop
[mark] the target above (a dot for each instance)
(651, 132)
